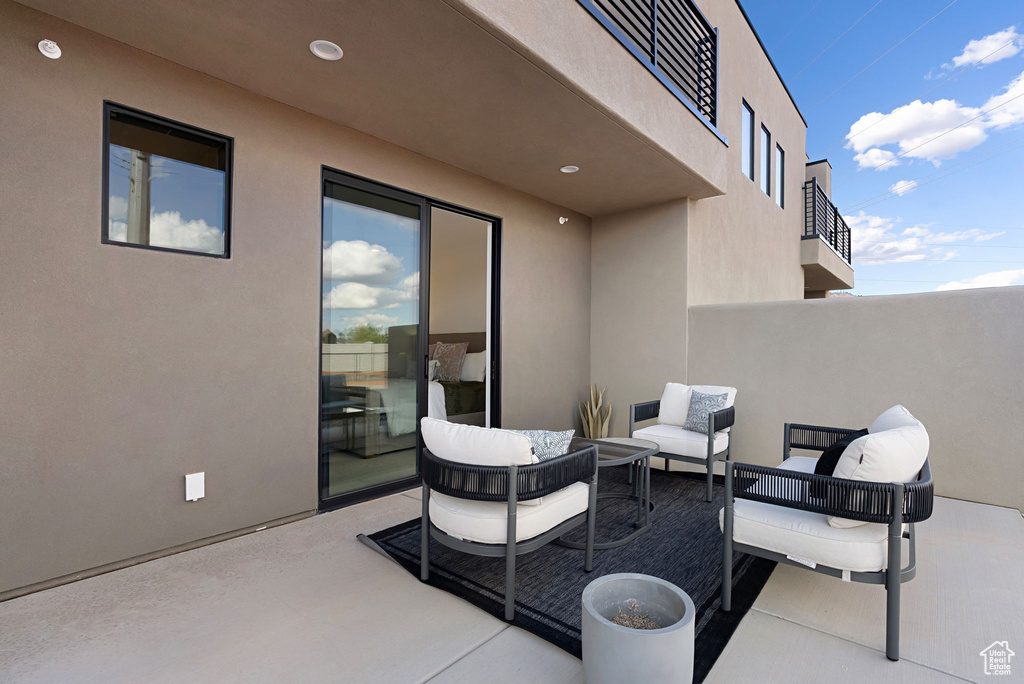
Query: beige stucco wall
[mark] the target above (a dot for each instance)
(952, 358)
(606, 75)
(742, 246)
(123, 369)
(638, 305)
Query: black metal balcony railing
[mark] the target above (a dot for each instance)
(674, 41)
(822, 219)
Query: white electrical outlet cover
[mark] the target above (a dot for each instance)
(195, 486)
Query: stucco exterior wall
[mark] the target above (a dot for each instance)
(124, 369)
(742, 246)
(605, 74)
(952, 358)
(638, 305)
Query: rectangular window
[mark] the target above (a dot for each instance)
(167, 185)
(766, 161)
(780, 175)
(747, 148)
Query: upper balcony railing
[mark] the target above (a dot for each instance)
(674, 41)
(822, 219)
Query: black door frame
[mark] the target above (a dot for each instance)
(426, 204)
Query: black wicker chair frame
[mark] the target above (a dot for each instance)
(717, 421)
(509, 484)
(889, 503)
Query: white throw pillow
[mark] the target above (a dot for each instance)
(895, 455)
(432, 367)
(896, 417)
(474, 368)
(675, 402)
(476, 445)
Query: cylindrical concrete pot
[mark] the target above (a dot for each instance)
(613, 654)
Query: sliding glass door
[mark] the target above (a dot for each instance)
(372, 348)
(380, 322)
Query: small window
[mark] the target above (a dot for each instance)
(167, 186)
(747, 148)
(780, 175)
(766, 161)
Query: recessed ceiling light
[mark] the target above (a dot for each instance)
(325, 49)
(569, 169)
(49, 49)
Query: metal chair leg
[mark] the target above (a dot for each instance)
(892, 586)
(727, 519)
(510, 547)
(425, 536)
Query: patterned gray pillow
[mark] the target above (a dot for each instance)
(701, 405)
(547, 444)
(450, 357)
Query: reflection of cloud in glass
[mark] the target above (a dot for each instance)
(374, 320)
(359, 261)
(360, 296)
(168, 229)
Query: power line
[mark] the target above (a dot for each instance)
(946, 132)
(793, 27)
(903, 40)
(837, 39)
(938, 85)
(947, 171)
(951, 173)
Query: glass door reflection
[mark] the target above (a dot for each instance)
(370, 362)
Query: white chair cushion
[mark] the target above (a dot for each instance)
(476, 445)
(486, 521)
(675, 402)
(895, 417)
(893, 455)
(675, 440)
(808, 536)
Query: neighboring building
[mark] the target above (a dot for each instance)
(202, 130)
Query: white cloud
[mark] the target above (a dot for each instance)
(912, 129)
(992, 48)
(375, 320)
(933, 131)
(902, 187)
(995, 279)
(359, 261)
(878, 240)
(1010, 111)
(117, 208)
(876, 158)
(411, 282)
(361, 296)
(168, 229)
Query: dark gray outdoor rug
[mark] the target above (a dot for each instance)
(684, 547)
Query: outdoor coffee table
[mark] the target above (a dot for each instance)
(635, 453)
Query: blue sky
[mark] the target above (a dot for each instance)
(915, 229)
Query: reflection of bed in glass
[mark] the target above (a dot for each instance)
(465, 401)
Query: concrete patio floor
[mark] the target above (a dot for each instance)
(307, 601)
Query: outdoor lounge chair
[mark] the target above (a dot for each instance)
(849, 527)
(676, 442)
(485, 493)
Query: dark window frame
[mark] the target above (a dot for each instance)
(780, 176)
(426, 202)
(110, 107)
(766, 162)
(748, 154)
